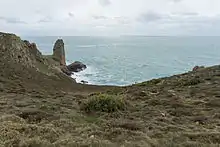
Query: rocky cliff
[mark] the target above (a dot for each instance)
(15, 51)
(21, 60)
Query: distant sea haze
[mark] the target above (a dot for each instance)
(129, 59)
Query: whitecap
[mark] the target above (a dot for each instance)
(85, 75)
(86, 46)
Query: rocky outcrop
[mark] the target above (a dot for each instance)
(33, 50)
(65, 70)
(59, 52)
(18, 58)
(76, 66)
(196, 68)
(59, 56)
(14, 51)
(22, 54)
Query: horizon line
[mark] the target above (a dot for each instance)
(120, 35)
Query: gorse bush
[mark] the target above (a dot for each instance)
(104, 103)
(149, 83)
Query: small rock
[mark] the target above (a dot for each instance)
(142, 93)
(84, 82)
(163, 114)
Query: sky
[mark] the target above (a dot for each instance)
(111, 17)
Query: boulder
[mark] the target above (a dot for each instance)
(59, 52)
(76, 67)
(84, 82)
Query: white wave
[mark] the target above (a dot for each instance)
(84, 75)
(86, 46)
(96, 45)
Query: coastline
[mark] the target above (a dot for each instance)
(42, 106)
(125, 69)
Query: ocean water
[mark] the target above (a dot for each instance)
(126, 60)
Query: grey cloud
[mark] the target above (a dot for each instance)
(168, 15)
(149, 17)
(119, 20)
(177, 1)
(190, 14)
(99, 17)
(192, 19)
(104, 2)
(12, 20)
(70, 14)
(187, 14)
(45, 19)
(189, 17)
(122, 20)
(189, 20)
(200, 26)
(197, 24)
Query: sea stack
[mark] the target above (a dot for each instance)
(59, 56)
(59, 52)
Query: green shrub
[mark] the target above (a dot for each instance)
(151, 82)
(104, 103)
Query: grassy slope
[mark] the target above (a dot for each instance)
(181, 110)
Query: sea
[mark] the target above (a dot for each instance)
(125, 60)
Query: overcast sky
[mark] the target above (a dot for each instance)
(110, 17)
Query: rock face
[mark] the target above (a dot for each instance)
(59, 52)
(65, 70)
(76, 67)
(33, 50)
(14, 51)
